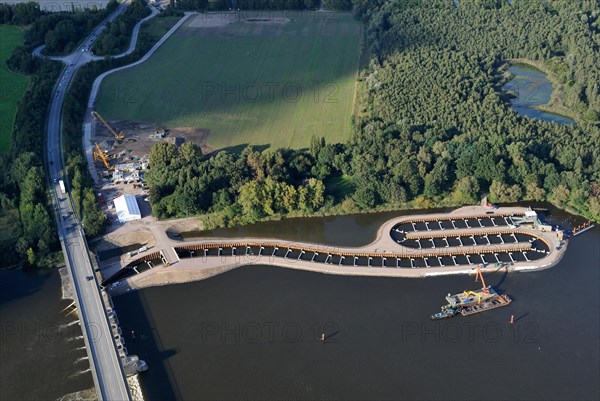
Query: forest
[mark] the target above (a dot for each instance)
(23, 185)
(432, 127)
(116, 38)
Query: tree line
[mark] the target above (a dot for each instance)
(432, 126)
(117, 36)
(23, 192)
(223, 5)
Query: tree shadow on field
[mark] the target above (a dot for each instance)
(237, 149)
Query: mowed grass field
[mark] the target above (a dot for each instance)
(260, 83)
(12, 85)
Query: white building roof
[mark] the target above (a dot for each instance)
(127, 208)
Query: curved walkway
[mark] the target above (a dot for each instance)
(384, 247)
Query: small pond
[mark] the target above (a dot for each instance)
(532, 88)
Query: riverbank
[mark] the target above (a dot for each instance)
(386, 256)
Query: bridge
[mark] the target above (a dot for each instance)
(105, 364)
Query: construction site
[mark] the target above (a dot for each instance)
(117, 153)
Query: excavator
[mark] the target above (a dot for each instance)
(119, 136)
(484, 289)
(99, 154)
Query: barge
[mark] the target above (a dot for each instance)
(470, 302)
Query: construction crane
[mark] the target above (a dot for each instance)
(120, 136)
(99, 154)
(478, 274)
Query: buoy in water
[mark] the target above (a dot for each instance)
(512, 319)
(322, 337)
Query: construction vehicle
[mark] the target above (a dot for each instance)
(99, 154)
(472, 301)
(118, 136)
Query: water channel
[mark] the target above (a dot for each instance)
(254, 333)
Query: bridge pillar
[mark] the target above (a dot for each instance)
(314, 256)
(412, 263)
(341, 260)
(301, 253)
(355, 259)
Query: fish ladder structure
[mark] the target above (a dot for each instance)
(407, 246)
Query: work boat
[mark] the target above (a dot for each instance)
(473, 301)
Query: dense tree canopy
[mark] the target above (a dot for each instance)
(117, 36)
(432, 126)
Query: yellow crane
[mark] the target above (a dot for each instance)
(99, 154)
(120, 136)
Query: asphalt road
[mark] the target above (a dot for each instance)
(105, 364)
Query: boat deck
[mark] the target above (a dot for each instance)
(493, 303)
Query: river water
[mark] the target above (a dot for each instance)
(42, 353)
(532, 88)
(254, 333)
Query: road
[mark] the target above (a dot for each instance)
(106, 367)
(88, 122)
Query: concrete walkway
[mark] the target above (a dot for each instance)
(198, 268)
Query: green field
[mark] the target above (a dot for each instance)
(12, 85)
(261, 83)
